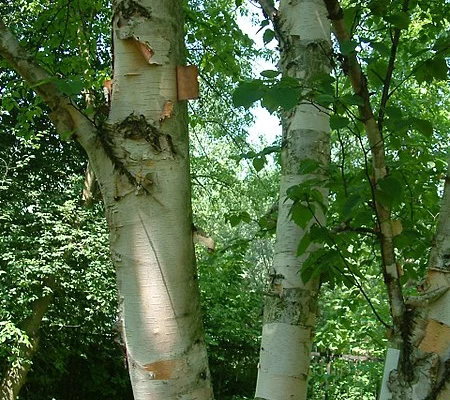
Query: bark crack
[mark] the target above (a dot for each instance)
(163, 278)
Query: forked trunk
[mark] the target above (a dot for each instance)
(141, 161)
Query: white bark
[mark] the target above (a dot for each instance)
(145, 184)
(390, 364)
(290, 310)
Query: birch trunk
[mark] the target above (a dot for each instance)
(148, 205)
(141, 162)
(291, 305)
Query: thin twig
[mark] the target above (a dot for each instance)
(390, 71)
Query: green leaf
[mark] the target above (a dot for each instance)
(352, 100)
(400, 20)
(350, 205)
(258, 163)
(347, 46)
(322, 78)
(234, 220)
(270, 73)
(9, 103)
(245, 217)
(376, 70)
(324, 99)
(295, 192)
(248, 93)
(438, 68)
(389, 191)
(350, 15)
(270, 150)
(307, 272)
(279, 96)
(268, 36)
(381, 48)
(423, 126)
(308, 166)
(267, 223)
(304, 243)
(394, 112)
(315, 196)
(320, 234)
(442, 44)
(379, 7)
(300, 214)
(338, 122)
(435, 68)
(70, 87)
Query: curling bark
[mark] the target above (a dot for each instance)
(141, 161)
(290, 306)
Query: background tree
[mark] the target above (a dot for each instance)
(53, 249)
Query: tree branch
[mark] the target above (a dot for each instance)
(383, 213)
(269, 9)
(16, 373)
(390, 71)
(64, 115)
(271, 13)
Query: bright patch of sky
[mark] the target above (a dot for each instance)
(266, 128)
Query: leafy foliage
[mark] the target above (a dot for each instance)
(45, 234)
(232, 320)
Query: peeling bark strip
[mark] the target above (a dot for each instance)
(187, 82)
(437, 335)
(167, 111)
(145, 50)
(167, 369)
(129, 14)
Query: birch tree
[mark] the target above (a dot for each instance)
(290, 308)
(140, 158)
